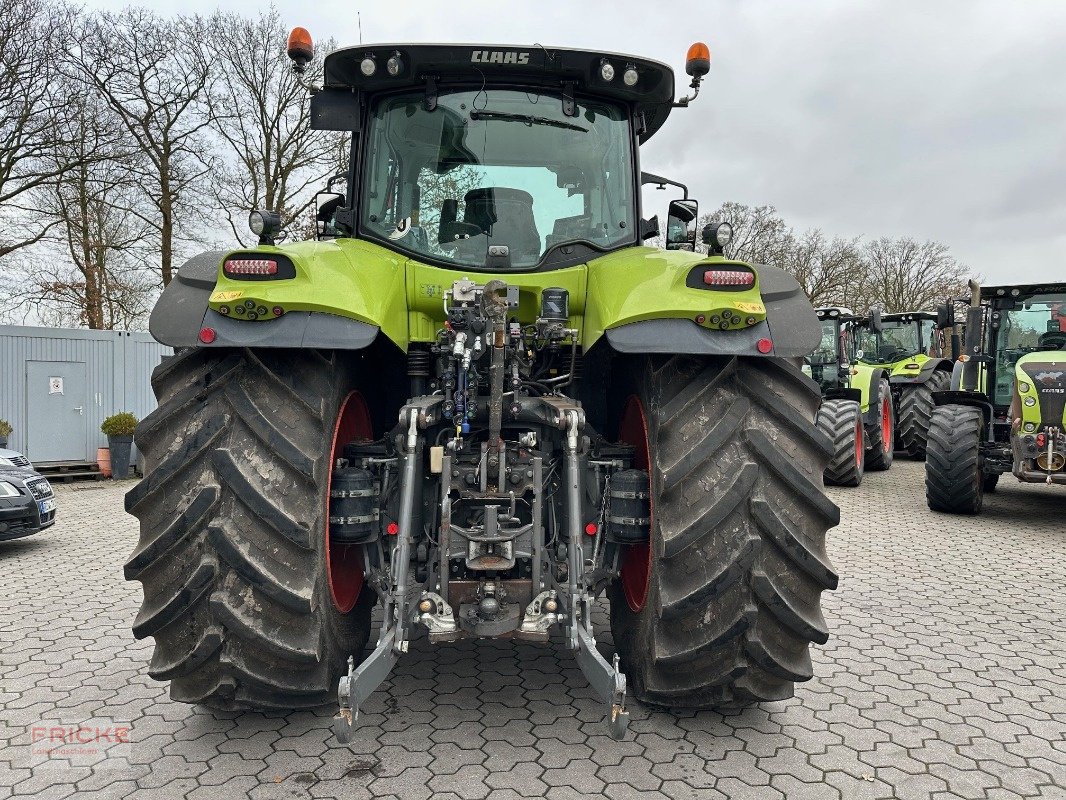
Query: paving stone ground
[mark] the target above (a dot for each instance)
(944, 678)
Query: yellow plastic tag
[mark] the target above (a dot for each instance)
(222, 297)
(750, 308)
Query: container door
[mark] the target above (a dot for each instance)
(56, 411)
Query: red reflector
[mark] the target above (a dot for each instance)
(251, 266)
(592, 529)
(728, 277)
(207, 335)
(764, 346)
(392, 529)
(278, 311)
(1040, 439)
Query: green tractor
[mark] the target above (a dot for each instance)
(914, 349)
(856, 412)
(479, 400)
(1006, 407)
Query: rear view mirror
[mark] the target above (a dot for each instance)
(326, 205)
(649, 228)
(876, 325)
(945, 316)
(681, 225)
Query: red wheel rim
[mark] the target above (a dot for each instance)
(636, 560)
(860, 447)
(886, 424)
(344, 562)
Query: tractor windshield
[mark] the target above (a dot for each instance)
(1035, 324)
(896, 340)
(497, 167)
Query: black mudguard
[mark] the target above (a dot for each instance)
(790, 324)
(843, 394)
(182, 310)
(972, 399)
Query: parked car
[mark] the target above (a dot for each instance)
(27, 502)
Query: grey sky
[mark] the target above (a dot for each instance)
(940, 119)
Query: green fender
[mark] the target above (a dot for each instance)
(917, 369)
(343, 293)
(865, 378)
(645, 300)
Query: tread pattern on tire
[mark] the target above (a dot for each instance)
(841, 421)
(739, 550)
(915, 409)
(231, 515)
(953, 461)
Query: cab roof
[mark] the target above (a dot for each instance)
(424, 65)
(992, 292)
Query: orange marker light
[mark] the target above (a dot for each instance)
(299, 47)
(698, 60)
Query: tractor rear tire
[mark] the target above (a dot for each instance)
(915, 409)
(954, 468)
(881, 436)
(737, 562)
(841, 421)
(232, 553)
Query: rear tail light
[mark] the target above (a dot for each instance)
(250, 266)
(1040, 440)
(728, 277)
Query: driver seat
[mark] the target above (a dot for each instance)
(1052, 340)
(506, 215)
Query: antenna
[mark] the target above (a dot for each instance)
(359, 18)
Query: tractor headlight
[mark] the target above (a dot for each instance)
(606, 70)
(1030, 401)
(630, 76)
(8, 490)
(368, 66)
(723, 234)
(1024, 387)
(264, 224)
(394, 66)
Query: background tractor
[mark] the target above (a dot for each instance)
(1006, 408)
(856, 412)
(914, 349)
(478, 400)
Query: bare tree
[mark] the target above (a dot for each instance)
(155, 75)
(827, 269)
(261, 113)
(34, 35)
(904, 274)
(95, 272)
(760, 236)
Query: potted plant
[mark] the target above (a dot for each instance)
(5, 431)
(119, 431)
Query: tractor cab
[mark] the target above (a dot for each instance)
(911, 336)
(496, 158)
(830, 364)
(1024, 371)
